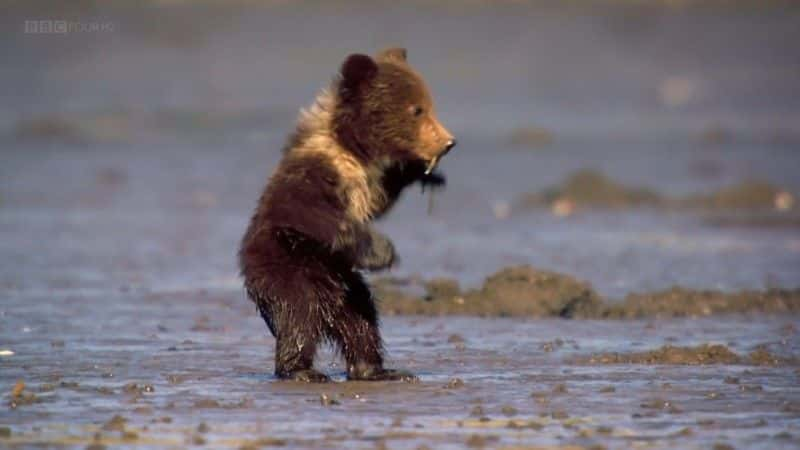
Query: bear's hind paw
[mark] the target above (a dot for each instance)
(384, 375)
(305, 376)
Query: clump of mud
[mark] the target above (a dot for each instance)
(514, 291)
(699, 355)
(589, 189)
(523, 291)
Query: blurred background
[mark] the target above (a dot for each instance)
(633, 144)
(636, 145)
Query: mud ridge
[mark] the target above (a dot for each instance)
(524, 291)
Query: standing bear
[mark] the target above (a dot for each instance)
(368, 136)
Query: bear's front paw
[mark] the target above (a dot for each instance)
(379, 255)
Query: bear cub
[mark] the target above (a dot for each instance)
(365, 139)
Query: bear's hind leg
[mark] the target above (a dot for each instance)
(355, 329)
(295, 346)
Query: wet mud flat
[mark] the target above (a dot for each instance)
(193, 369)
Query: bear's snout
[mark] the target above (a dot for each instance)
(450, 144)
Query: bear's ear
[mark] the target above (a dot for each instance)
(396, 54)
(357, 69)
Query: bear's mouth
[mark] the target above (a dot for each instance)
(435, 160)
(432, 164)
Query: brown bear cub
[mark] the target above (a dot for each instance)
(366, 138)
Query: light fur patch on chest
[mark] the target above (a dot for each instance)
(361, 185)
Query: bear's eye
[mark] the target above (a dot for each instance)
(417, 111)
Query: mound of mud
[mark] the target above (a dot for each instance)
(518, 291)
(589, 189)
(523, 291)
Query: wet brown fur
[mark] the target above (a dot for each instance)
(353, 152)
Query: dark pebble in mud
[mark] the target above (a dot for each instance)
(751, 388)
(550, 346)
(175, 379)
(478, 440)
(722, 446)
(508, 410)
(262, 442)
(116, 423)
(456, 339)
(207, 403)
(144, 410)
(5, 432)
(454, 383)
(203, 428)
(560, 388)
(661, 404)
(134, 388)
(791, 407)
(731, 380)
(327, 400)
(477, 411)
(129, 435)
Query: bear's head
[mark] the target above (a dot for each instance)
(384, 109)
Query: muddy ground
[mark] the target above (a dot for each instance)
(132, 156)
(192, 370)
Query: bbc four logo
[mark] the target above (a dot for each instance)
(65, 27)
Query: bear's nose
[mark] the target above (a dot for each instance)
(450, 144)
